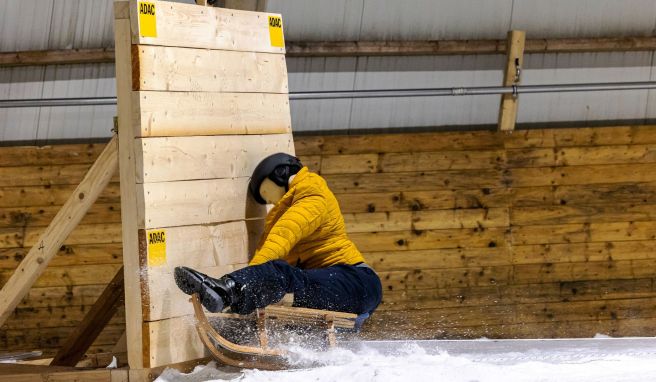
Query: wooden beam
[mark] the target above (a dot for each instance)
(512, 76)
(125, 110)
(61, 226)
(365, 48)
(465, 47)
(57, 57)
(93, 323)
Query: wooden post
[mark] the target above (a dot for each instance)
(512, 76)
(93, 323)
(262, 329)
(61, 226)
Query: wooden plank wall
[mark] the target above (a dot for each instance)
(544, 233)
(35, 184)
(200, 103)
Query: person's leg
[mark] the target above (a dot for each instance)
(265, 284)
(343, 288)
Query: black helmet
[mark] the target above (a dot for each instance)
(277, 167)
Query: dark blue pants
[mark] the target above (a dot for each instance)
(343, 288)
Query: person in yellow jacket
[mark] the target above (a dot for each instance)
(304, 250)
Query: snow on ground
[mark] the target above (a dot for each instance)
(411, 362)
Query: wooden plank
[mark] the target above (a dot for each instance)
(588, 136)
(48, 338)
(411, 162)
(80, 254)
(591, 213)
(583, 194)
(194, 202)
(427, 220)
(166, 300)
(210, 114)
(95, 320)
(512, 77)
(595, 290)
(188, 25)
(438, 258)
(44, 175)
(424, 200)
(603, 270)
(581, 156)
(50, 155)
(52, 317)
(159, 68)
(583, 252)
(580, 233)
(410, 181)
(418, 240)
(61, 226)
(42, 216)
(131, 261)
(377, 329)
(361, 48)
(30, 374)
(397, 143)
(557, 176)
(71, 275)
(531, 313)
(77, 295)
(50, 195)
(172, 340)
(182, 158)
(57, 57)
(464, 47)
(211, 249)
(446, 278)
(84, 234)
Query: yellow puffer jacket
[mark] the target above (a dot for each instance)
(306, 227)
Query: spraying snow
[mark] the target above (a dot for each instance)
(610, 360)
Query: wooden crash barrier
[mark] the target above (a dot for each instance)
(198, 109)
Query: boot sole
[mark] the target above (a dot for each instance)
(190, 282)
(187, 280)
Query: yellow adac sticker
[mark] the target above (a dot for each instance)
(156, 247)
(147, 19)
(275, 31)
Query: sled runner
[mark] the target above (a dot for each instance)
(262, 356)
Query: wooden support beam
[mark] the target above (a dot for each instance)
(93, 323)
(61, 226)
(465, 47)
(512, 77)
(57, 57)
(365, 48)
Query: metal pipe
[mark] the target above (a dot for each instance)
(388, 93)
(51, 102)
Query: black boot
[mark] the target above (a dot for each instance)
(215, 294)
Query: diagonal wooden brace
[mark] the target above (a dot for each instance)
(93, 323)
(68, 217)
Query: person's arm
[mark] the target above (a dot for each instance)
(298, 222)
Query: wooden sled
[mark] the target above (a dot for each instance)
(262, 356)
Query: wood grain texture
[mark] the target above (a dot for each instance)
(126, 109)
(210, 114)
(541, 245)
(212, 249)
(49, 242)
(213, 157)
(187, 25)
(193, 202)
(159, 67)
